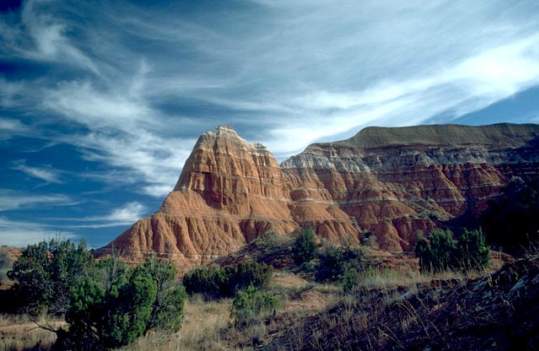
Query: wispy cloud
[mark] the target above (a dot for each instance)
(20, 233)
(126, 214)
(129, 213)
(47, 174)
(11, 200)
(8, 125)
(47, 38)
(142, 83)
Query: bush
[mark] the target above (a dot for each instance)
(442, 252)
(45, 273)
(167, 309)
(247, 274)
(115, 304)
(472, 251)
(349, 279)
(267, 241)
(251, 304)
(216, 282)
(212, 282)
(304, 248)
(438, 254)
(334, 262)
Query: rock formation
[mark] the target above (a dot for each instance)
(391, 182)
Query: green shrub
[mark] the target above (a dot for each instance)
(442, 252)
(45, 272)
(251, 304)
(335, 261)
(349, 279)
(304, 248)
(216, 282)
(472, 252)
(267, 241)
(114, 305)
(167, 310)
(247, 274)
(424, 253)
(212, 282)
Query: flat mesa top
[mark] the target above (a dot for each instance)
(495, 135)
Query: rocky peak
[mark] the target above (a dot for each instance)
(221, 159)
(388, 182)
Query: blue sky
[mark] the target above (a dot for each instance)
(102, 101)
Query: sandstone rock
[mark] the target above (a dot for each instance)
(392, 182)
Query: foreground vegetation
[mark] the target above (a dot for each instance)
(68, 300)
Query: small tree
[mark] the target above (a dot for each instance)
(212, 282)
(115, 305)
(442, 252)
(304, 248)
(45, 272)
(334, 262)
(167, 309)
(246, 274)
(251, 304)
(216, 282)
(424, 253)
(349, 279)
(472, 251)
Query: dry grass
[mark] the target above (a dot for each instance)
(20, 332)
(380, 278)
(204, 328)
(300, 295)
(207, 324)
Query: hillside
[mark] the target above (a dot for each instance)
(387, 182)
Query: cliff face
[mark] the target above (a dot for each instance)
(391, 182)
(229, 192)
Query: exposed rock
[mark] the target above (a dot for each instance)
(392, 182)
(229, 192)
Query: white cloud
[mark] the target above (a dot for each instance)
(11, 126)
(19, 234)
(10, 92)
(48, 174)
(85, 104)
(11, 200)
(471, 84)
(289, 73)
(129, 213)
(49, 39)
(125, 215)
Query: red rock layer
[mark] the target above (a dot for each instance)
(392, 182)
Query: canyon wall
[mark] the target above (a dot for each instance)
(386, 182)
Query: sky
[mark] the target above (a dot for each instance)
(101, 102)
